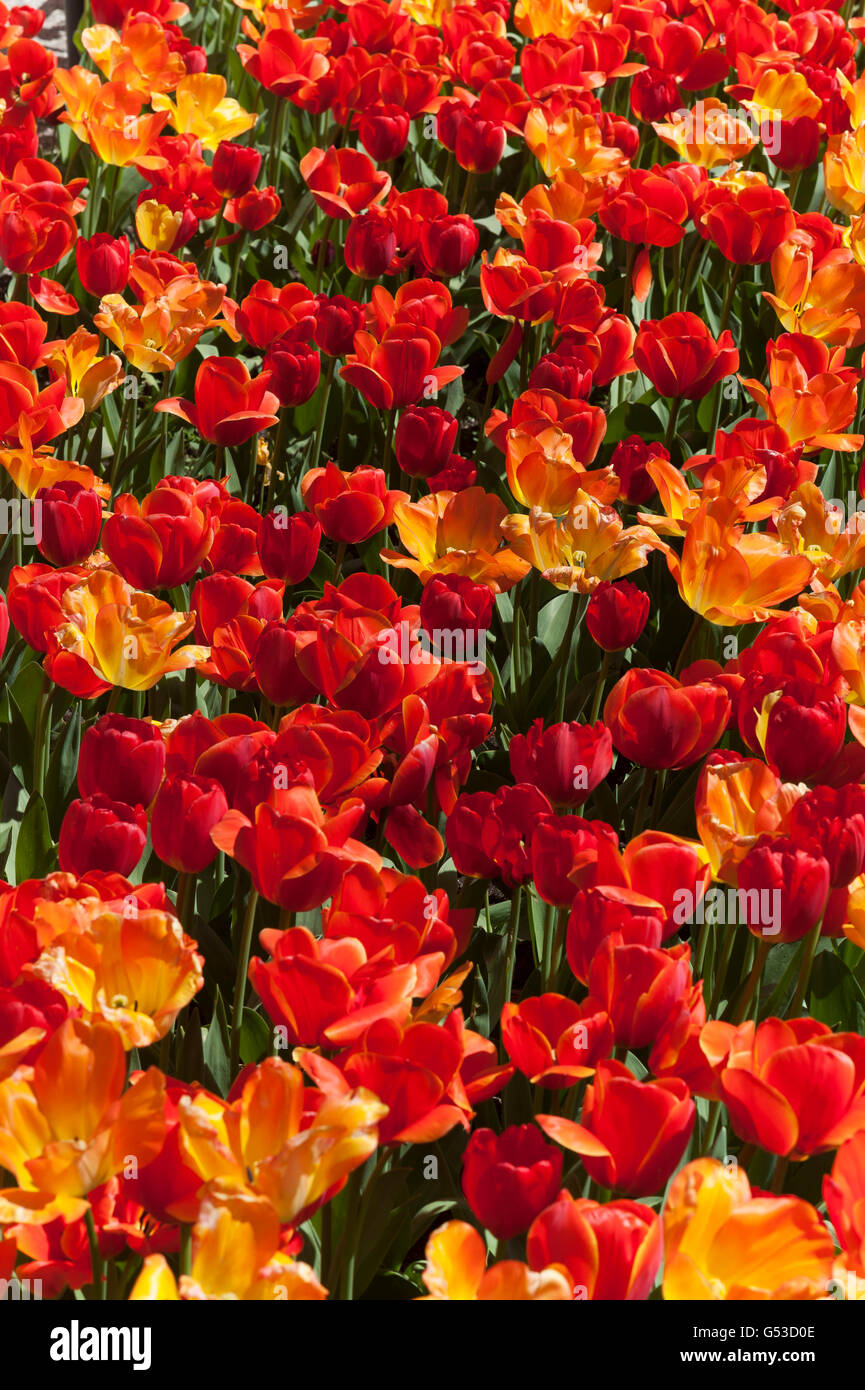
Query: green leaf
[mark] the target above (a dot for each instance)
(34, 849)
(63, 767)
(256, 1037)
(835, 996)
(216, 1052)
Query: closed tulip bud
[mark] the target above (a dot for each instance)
(98, 833)
(598, 912)
(638, 986)
(277, 673)
(783, 889)
(569, 853)
(793, 144)
(235, 169)
(185, 811)
(288, 545)
(657, 722)
(337, 320)
(463, 832)
(448, 244)
(654, 95)
(616, 615)
(557, 372)
(479, 144)
(424, 439)
(254, 210)
(384, 131)
(103, 263)
(835, 819)
(509, 1178)
(633, 1132)
(566, 761)
(628, 461)
(613, 1250)
(295, 370)
(71, 517)
(458, 474)
(453, 603)
(681, 358)
(370, 244)
(121, 758)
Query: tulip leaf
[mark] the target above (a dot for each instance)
(835, 996)
(190, 1053)
(256, 1037)
(34, 847)
(216, 1049)
(25, 691)
(63, 766)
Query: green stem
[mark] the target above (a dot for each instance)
(240, 979)
(319, 434)
(753, 982)
(97, 1265)
(804, 977)
(599, 688)
(513, 930)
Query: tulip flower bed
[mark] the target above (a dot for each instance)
(433, 666)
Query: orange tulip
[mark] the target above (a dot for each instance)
(140, 58)
(71, 1123)
(456, 533)
(730, 576)
(710, 135)
(156, 335)
(724, 1244)
(456, 1260)
(738, 800)
(267, 1141)
(807, 525)
(117, 635)
(579, 550)
(812, 396)
(236, 1253)
(821, 295)
(90, 377)
(107, 117)
(544, 472)
(136, 970)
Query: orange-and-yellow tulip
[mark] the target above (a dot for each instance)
(201, 108)
(456, 533)
(811, 395)
(90, 376)
(577, 551)
(156, 335)
(119, 635)
(730, 576)
(69, 1123)
(456, 1270)
(236, 1253)
(136, 969)
(723, 1243)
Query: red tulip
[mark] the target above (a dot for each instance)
(633, 1133)
(612, 1250)
(185, 811)
(230, 406)
(509, 1178)
(681, 358)
(616, 615)
(71, 517)
(103, 263)
(98, 833)
(566, 761)
(121, 758)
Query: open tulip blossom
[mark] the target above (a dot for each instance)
(432, 651)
